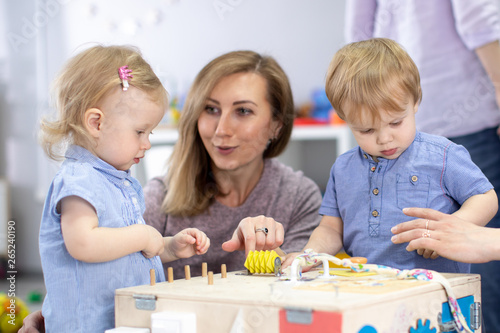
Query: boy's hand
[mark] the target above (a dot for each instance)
(290, 257)
(189, 242)
(155, 245)
(427, 253)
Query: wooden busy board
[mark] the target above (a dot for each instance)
(264, 303)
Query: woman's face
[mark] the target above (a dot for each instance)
(237, 122)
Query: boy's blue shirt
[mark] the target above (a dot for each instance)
(432, 172)
(80, 296)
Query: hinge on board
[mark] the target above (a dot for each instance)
(475, 315)
(145, 302)
(299, 315)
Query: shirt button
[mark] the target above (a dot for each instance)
(126, 183)
(414, 178)
(134, 200)
(365, 156)
(375, 191)
(373, 168)
(374, 213)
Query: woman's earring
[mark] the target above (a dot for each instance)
(269, 143)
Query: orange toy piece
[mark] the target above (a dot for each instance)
(343, 255)
(358, 260)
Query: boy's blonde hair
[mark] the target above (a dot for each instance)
(83, 82)
(190, 182)
(376, 74)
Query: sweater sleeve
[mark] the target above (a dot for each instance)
(154, 193)
(305, 217)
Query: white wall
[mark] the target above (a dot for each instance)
(177, 37)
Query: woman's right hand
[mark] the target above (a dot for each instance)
(33, 323)
(249, 235)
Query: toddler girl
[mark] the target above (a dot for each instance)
(93, 238)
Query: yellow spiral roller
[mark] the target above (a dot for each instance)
(262, 262)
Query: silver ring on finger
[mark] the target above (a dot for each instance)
(264, 230)
(426, 233)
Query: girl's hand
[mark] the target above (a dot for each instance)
(256, 234)
(155, 245)
(189, 242)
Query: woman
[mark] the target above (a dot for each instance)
(222, 177)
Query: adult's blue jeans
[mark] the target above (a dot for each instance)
(484, 148)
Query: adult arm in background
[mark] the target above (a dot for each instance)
(489, 55)
(478, 25)
(450, 236)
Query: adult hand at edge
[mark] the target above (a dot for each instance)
(450, 236)
(33, 323)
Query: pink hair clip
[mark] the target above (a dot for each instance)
(125, 76)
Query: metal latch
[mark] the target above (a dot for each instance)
(449, 326)
(299, 315)
(145, 302)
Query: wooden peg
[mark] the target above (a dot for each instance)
(210, 278)
(152, 276)
(223, 271)
(204, 269)
(187, 272)
(170, 275)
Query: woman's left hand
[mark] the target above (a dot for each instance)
(447, 235)
(256, 234)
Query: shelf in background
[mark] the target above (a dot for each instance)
(312, 149)
(168, 136)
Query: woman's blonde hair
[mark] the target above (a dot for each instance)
(190, 183)
(84, 80)
(377, 74)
